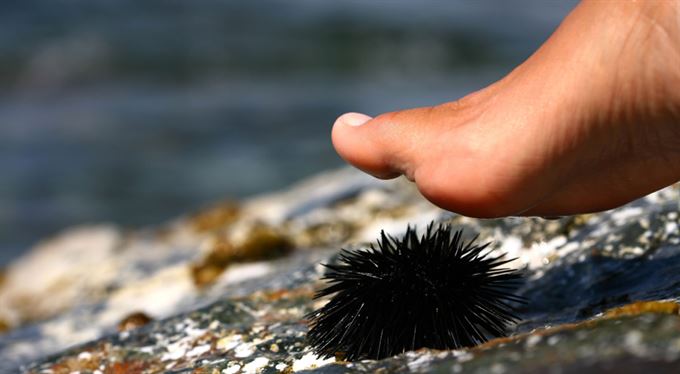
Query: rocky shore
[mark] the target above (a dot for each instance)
(225, 290)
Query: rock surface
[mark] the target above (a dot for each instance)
(226, 290)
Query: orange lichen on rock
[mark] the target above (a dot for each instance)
(127, 367)
(628, 310)
(85, 361)
(640, 307)
(215, 218)
(103, 358)
(133, 321)
(261, 243)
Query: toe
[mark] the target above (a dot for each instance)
(384, 146)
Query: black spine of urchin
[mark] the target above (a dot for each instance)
(434, 291)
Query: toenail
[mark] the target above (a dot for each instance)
(354, 119)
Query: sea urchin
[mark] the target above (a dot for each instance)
(436, 291)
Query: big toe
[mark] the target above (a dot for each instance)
(382, 146)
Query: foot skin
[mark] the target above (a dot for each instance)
(589, 122)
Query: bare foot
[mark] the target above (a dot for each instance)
(589, 122)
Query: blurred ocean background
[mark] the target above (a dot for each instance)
(134, 112)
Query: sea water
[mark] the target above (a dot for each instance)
(133, 111)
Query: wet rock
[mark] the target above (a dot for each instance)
(77, 265)
(601, 287)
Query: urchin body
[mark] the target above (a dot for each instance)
(433, 291)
